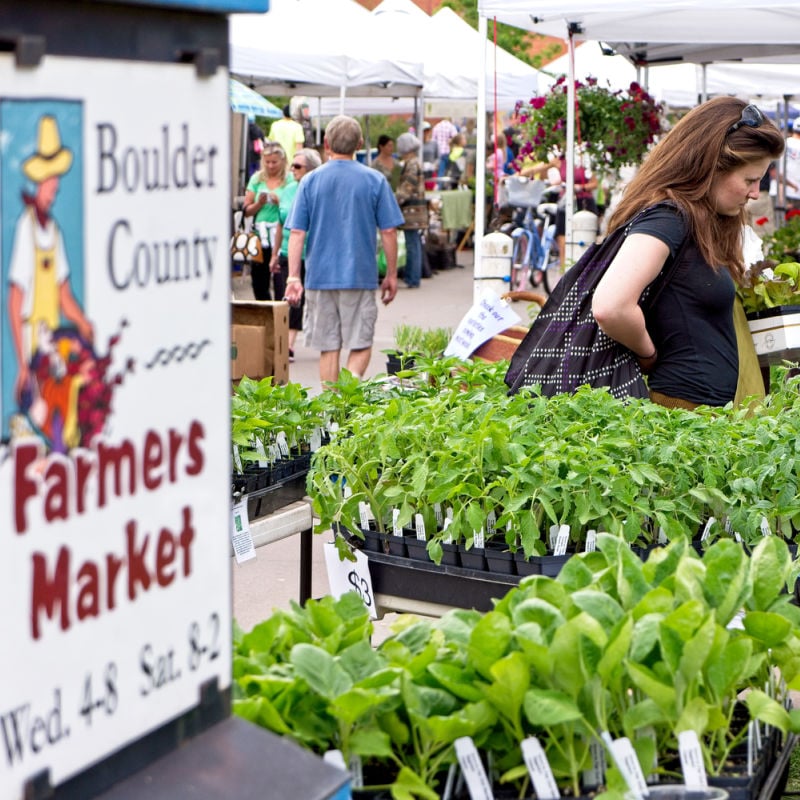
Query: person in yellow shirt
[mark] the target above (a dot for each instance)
(288, 133)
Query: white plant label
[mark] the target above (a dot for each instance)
(241, 537)
(472, 769)
(562, 540)
(765, 528)
(437, 511)
(315, 440)
(347, 491)
(237, 458)
(627, 763)
(491, 523)
(283, 445)
(544, 782)
(591, 541)
(707, 529)
(419, 526)
(396, 529)
(335, 759)
(479, 539)
(694, 771)
(595, 775)
(356, 772)
(363, 514)
(447, 538)
(347, 576)
(262, 462)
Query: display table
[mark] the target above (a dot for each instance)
(456, 212)
(294, 518)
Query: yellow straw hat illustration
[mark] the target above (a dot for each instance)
(51, 158)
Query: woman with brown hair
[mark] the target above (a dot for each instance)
(688, 198)
(261, 200)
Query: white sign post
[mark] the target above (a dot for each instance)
(114, 404)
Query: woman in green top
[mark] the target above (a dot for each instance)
(261, 200)
(303, 162)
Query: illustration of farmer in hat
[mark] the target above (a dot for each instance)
(40, 295)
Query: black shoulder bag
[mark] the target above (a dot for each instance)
(565, 348)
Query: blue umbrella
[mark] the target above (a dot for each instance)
(244, 100)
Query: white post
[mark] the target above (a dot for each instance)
(570, 187)
(480, 145)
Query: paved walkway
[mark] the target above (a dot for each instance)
(271, 580)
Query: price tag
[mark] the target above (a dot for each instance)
(241, 538)
(627, 763)
(419, 525)
(694, 771)
(349, 576)
(544, 783)
(472, 769)
(591, 541)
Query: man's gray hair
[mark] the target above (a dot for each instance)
(343, 135)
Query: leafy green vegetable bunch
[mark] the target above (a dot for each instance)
(638, 649)
(770, 287)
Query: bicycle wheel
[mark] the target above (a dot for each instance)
(520, 260)
(552, 271)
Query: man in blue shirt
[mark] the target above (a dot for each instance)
(337, 210)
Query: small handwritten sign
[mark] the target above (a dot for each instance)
(487, 317)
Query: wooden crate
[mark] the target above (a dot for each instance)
(260, 340)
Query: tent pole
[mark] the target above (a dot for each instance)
(570, 188)
(480, 159)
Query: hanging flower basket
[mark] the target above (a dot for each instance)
(612, 128)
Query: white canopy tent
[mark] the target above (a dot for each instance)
(445, 45)
(319, 48)
(681, 84)
(649, 33)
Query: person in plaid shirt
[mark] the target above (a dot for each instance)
(443, 131)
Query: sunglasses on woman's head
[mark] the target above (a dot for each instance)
(751, 117)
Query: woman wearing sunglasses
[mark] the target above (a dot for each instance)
(261, 199)
(303, 162)
(688, 199)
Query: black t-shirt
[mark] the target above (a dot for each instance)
(691, 322)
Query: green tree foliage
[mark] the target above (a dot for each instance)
(514, 40)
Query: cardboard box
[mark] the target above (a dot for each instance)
(776, 334)
(260, 340)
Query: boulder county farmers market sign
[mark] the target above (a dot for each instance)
(114, 379)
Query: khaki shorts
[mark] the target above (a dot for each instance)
(340, 318)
